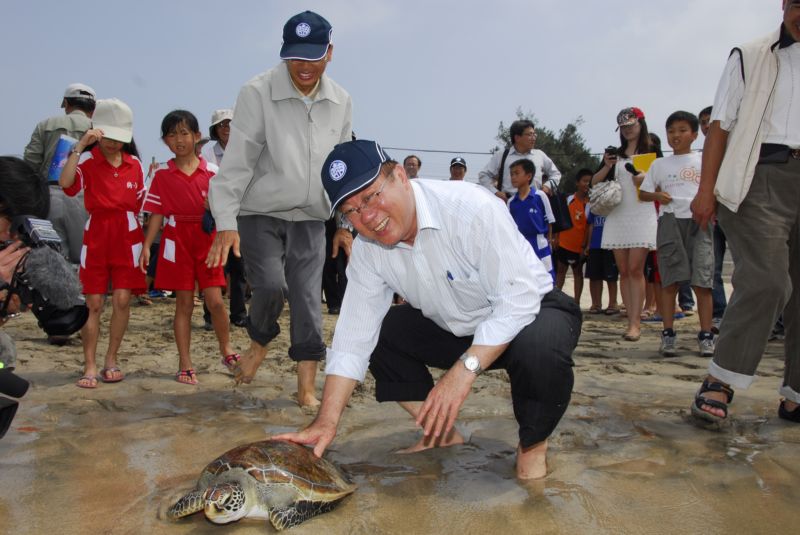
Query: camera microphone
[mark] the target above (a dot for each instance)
(49, 284)
(631, 169)
(49, 272)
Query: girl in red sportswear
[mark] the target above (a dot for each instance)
(177, 196)
(111, 177)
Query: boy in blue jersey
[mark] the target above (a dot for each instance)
(531, 212)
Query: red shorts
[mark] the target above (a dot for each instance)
(112, 243)
(182, 258)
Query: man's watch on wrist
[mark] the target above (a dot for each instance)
(471, 363)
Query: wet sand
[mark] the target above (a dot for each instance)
(623, 460)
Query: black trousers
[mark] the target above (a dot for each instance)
(334, 277)
(238, 287)
(538, 361)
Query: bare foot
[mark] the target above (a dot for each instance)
(532, 461)
(632, 335)
(308, 400)
(451, 439)
(245, 370)
(306, 388)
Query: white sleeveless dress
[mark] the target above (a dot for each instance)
(632, 223)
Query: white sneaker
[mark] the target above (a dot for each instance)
(706, 346)
(667, 345)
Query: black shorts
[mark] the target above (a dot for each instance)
(601, 266)
(568, 257)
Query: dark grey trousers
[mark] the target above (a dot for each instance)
(282, 254)
(764, 235)
(538, 361)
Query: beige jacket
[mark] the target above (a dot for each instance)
(278, 144)
(42, 146)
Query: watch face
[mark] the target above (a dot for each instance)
(472, 363)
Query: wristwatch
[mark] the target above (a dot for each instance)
(471, 363)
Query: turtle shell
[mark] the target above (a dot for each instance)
(275, 462)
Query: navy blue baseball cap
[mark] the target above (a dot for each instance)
(351, 167)
(306, 36)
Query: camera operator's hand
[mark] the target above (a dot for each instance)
(9, 258)
(609, 159)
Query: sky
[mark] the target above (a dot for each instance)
(423, 75)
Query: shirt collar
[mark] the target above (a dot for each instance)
(515, 151)
(127, 159)
(201, 167)
(283, 88)
(786, 40)
(427, 217)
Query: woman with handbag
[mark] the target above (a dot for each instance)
(630, 228)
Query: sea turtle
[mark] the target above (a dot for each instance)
(271, 479)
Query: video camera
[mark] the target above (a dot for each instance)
(44, 280)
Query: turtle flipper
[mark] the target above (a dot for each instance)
(189, 504)
(298, 513)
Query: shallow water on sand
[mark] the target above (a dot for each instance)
(623, 460)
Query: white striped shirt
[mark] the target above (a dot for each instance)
(469, 270)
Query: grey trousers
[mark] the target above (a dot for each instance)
(278, 255)
(68, 217)
(765, 243)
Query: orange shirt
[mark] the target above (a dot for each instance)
(574, 239)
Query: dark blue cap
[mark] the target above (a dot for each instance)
(306, 36)
(351, 167)
(458, 160)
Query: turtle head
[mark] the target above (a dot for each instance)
(225, 502)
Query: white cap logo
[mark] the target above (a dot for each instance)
(337, 170)
(303, 29)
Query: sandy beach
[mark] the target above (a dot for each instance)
(623, 460)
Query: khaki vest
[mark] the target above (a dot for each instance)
(760, 73)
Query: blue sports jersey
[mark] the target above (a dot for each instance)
(597, 230)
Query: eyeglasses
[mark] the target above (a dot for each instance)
(224, 124)
(367, 202)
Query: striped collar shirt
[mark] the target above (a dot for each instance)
(469, 270)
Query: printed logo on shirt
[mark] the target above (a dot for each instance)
(130, 185)
(690, 174)
(337, 170)
(303, 29)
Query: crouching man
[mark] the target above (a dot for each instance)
(477, 298)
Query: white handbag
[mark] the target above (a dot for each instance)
(605, 196)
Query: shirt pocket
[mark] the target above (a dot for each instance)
(468, 294)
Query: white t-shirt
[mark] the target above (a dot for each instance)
(678, 175)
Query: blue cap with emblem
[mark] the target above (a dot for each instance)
(306, 36)
(351, 167)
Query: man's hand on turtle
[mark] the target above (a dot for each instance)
(319, 434)
(224, 241)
